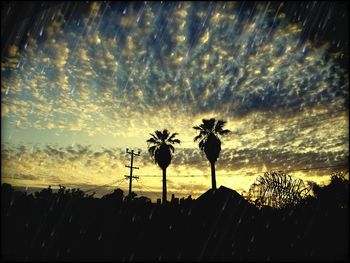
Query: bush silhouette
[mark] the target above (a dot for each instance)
(278, 190)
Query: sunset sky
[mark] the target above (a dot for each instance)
(84, 86)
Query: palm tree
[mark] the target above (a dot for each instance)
(210, 143)
(161, 149)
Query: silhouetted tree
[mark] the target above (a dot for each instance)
(209, 142)
(130, 196)
(278, 190)
(45, 194)
(143, 199)
(215, 224)
(6, 189)
(77, 193)
(117, 195)
(336, 193)
(161, 149)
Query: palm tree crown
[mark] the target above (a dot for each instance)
(162, 148)
(209, 141)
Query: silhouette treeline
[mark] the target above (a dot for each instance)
(220, 225)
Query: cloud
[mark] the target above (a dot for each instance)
(83, 165)
(22, 177)
(253, 73)
(121, 75)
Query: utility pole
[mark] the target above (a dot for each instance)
(130, 177)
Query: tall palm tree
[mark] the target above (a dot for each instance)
(161, 149)
(209, 142)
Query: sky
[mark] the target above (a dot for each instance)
(81, 82)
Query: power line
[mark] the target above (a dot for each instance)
(119, 181)
(142, 187)
(113, 182)
(318, 168)
(294, 170)
(146, 187)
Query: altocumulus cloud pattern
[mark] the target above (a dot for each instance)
(125, 70)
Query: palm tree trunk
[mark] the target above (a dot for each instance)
(213, 178)
(164, 186)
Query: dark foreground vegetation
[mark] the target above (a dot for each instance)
(219, 226)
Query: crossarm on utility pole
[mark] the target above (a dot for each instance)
(130, 177)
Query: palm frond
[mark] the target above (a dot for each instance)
(197, 128)
(165, 134)
(224, 132)
(152, 140)
(173, 135)
(159, 135)
(151, 150)
(153, 136)
(171, 147)
(156, 155)
(219, 125)
(197, 137)
(205, 129)
(209, 124)
(174, 141)
(202, 145)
